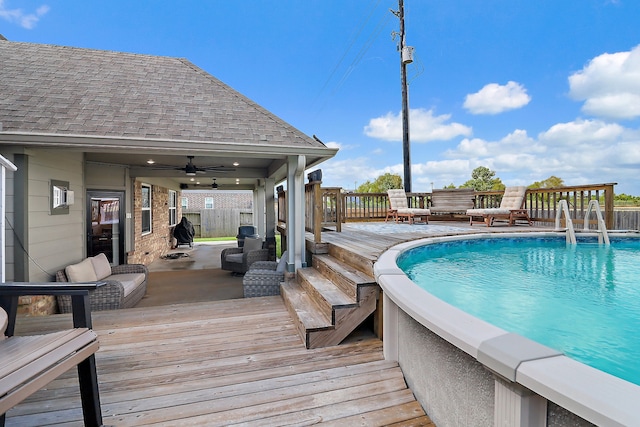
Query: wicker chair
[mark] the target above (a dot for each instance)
(264, 278)
(238, 260)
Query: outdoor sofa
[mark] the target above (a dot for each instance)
(126, 284)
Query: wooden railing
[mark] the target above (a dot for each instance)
(330, 207)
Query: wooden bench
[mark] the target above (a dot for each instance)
(451, 202)
(28, 363)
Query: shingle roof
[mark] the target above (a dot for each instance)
(72, 91)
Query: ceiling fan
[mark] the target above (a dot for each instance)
(190, 169)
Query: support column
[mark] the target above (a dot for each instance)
(4, 165)
(259, 209)
(270, 215)
(295, 213)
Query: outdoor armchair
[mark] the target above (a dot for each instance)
(238, 260)
(264, 278)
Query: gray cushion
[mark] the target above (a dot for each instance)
(251, 244)
(130, 281)
(282, 264)
(234, 258)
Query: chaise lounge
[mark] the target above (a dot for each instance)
(399, 209)
(510, 209)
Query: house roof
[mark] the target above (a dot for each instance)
(112, 102)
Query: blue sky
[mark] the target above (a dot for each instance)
(527, 88)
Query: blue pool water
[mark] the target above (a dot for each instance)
(583, 300)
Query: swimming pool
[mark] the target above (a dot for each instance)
(583, 300)
(467, 371)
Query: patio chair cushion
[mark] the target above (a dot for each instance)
(81, 272)
(251, 244)
(282, 264)
(4, 320)
(101, 266)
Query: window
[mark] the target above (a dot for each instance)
(146, 209)
(184, 202)
(173, 201)
(208, 202)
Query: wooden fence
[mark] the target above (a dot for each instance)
(218, 222)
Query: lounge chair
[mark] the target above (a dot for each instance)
(510, 209)
(399, 209)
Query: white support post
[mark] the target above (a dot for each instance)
(390, 328)
(516, 406)
(270, 208)
(4, 165)
(295, 213)
(259, 209)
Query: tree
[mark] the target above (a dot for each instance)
(482, 179)
(381, 184)
(551, 182)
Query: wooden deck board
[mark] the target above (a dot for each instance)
(221, 363)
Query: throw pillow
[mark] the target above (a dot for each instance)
(101, 266)
(282, 264)
(251, 244)
(81, 272)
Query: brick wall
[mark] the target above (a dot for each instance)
(151, 246)
(221, 199)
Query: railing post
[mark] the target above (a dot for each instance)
(317, 212)
(609, 217)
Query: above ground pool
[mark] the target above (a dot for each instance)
(582, 300)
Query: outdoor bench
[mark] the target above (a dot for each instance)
(451, 201)
(29, 363)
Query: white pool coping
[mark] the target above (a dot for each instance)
(594, 395)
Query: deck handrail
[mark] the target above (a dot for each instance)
(331, 206)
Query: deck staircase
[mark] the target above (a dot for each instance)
(330, 299)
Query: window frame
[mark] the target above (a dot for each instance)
(146, 210)
(184, 202)
(173, 208)
(206, 200)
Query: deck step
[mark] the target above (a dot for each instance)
(326, 295)
(343, 275)
(329, 300)
(361, 262)
(306, 314)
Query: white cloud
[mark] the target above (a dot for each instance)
(609, 85)
(579, 132)
(423, 125)
(333, 144)
(495, 98)
(18, 16)
(579, 152)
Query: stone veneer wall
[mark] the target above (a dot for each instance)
(150, 247)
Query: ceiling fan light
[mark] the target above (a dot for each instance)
(214, 185)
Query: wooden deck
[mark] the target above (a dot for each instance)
(224, 363)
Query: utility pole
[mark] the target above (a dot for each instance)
(406, 57)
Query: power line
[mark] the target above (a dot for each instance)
(345, 53)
